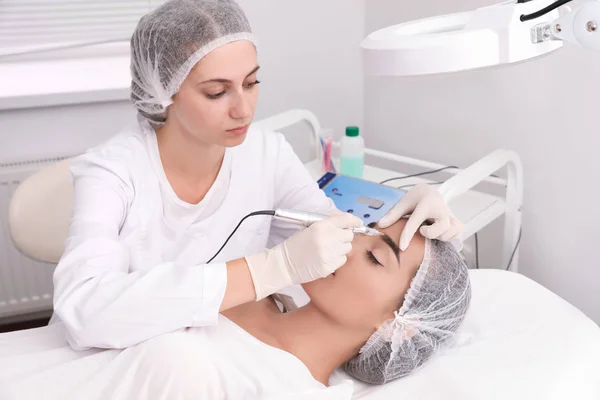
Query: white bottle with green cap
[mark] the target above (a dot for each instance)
(352, 153)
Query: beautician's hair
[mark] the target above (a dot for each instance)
(170, 40)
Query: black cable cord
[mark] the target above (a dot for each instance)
(415, 184)
(515, 250)
(544, 11)
(476, 251)
(419, 174)
(511, 257)
(272, 212)
(263, 212)
(476, 236)
(423, 173)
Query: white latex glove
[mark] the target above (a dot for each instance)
(310, 254)
(425, 203)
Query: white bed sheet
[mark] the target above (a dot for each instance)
(518, 341)
(220, 362)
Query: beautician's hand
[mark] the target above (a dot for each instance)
(310, 254)
(425, 203)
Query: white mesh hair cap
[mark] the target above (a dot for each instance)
(170, 40)
(434, 306)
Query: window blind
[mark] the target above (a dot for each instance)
(34, 25)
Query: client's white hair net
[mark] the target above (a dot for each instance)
(170, 40)
(433, 308)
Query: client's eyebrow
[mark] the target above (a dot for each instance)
(393, 245)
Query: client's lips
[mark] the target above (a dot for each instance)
(239, 131)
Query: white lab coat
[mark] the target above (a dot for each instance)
(134, 265)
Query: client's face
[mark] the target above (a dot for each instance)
(371, 285)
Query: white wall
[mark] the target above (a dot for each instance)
(546, 110)
(35, 133)
(310, 58)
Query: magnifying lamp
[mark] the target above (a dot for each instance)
(505, 33)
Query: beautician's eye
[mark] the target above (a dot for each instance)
(373, 259)
(215, 96)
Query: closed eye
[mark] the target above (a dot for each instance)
(250, 85)
(215, 96)
(373, 259)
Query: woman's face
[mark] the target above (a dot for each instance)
(216, 102)
(371, 285)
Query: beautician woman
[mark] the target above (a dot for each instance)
(154, 203)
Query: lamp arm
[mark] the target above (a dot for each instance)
(579, 26)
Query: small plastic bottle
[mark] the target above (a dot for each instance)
(352, 153)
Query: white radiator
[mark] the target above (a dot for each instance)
(25, 285)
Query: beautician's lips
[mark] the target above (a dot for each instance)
(239, 131)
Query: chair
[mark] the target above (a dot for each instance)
(40, 211)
